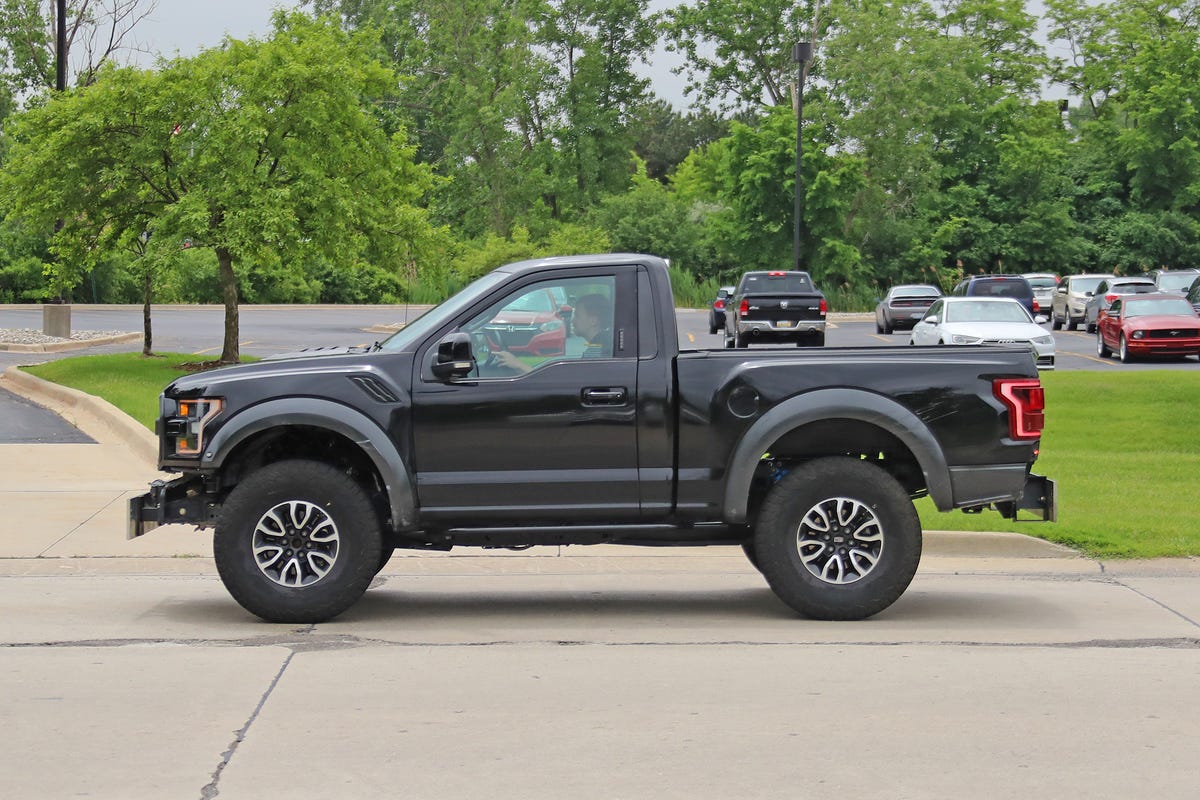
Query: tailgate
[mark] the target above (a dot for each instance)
(781, 310)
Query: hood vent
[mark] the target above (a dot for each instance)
(377, 390)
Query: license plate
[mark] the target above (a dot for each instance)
(783, 323)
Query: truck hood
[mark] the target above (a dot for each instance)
(317, 360)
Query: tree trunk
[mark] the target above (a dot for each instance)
(229, 293)
(147, 336)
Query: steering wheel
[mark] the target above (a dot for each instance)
(484, 349)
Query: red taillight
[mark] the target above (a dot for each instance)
(1026, 402)
(824, 307)
(719, 305)
(744, 308)
(1108, 298)
(1036, 307)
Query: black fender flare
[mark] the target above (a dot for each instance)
(826, 404)
(341, 419)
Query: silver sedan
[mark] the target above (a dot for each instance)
(979, 320)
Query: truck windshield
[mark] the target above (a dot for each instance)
(439, 314)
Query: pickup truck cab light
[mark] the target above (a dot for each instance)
(1026, 402)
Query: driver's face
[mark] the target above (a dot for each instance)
(586, 325)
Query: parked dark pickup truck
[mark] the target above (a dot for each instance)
(312, 470)
(772, 307)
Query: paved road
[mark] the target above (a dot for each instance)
(24, 422)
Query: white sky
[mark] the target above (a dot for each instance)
(188, 26)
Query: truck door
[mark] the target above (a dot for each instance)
(544, 430)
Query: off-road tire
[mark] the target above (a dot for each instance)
(319, 495)
(882, 511)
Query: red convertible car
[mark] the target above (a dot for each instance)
(1148, 325)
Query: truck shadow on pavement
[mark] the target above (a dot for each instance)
(741, 610)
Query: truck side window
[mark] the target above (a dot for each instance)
(548, 321)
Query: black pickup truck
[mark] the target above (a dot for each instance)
(776, 306)
(313, 469)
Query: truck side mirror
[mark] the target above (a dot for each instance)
(454, 358)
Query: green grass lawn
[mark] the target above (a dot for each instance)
(129, 381)
(1124, 448)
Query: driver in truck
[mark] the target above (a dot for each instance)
(591, 335)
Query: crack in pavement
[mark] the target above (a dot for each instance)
(211, 789)
(1159, 603)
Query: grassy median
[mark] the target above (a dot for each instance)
(130, 381)
(1124, 448)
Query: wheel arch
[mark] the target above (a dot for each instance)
(332, 429)
(840, 421)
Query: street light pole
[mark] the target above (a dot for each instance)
(60, 82)
(801, 55)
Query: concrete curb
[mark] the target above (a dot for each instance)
(72, 344)
(98, 418)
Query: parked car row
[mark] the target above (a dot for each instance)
(1133, 316)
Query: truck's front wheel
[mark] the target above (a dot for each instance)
(838, 539)
(297, 541)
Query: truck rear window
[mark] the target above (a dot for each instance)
(776, 284)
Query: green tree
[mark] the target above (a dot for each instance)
(257, 150)
(663, 137)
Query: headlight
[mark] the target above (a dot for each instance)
(1044, 340)
(958, 338)
(187, 428)
(552, 325)
(1139, 335)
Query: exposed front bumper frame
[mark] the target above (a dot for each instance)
(169, 502)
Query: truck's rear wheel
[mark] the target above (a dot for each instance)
(297, 541)
(838, 539)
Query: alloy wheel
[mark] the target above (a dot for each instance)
(840, 540)
(295, 543)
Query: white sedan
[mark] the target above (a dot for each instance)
(984, 320)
